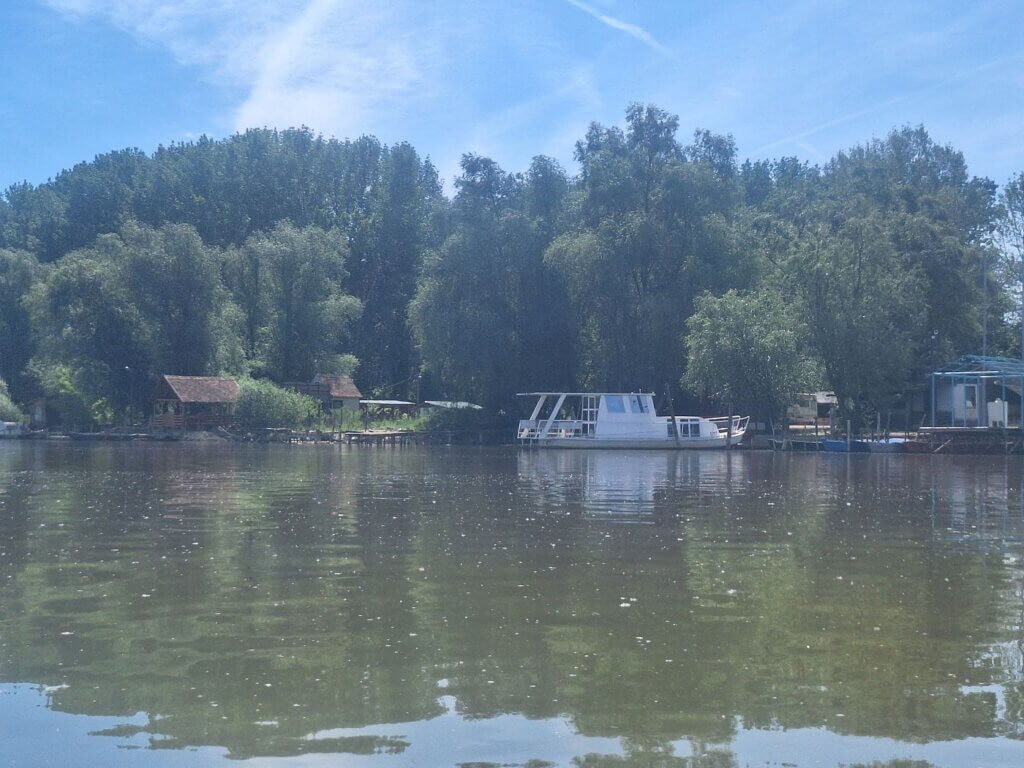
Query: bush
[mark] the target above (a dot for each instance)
(468, 418)
(263, 404)
(8, 410)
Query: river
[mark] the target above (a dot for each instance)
(191, 604)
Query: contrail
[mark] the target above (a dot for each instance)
(632, 30)
(883, 104)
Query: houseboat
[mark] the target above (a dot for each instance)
(620, 420)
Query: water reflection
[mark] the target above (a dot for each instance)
(487, 605)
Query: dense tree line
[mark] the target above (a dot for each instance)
(278, 254)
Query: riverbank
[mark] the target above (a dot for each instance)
(280, 435)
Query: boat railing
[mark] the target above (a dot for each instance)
(739, 424)
(533, 429)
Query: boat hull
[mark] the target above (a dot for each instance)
(686, 444)
(830, 445)
(887, 446)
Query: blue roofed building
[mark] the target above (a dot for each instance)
(978, 391)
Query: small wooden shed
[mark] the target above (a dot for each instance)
(331, 391)
(193, 402)
(342, 390)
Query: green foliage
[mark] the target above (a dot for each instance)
(489, 316)
(444, 419)
(865, 308)
(133, 306)
(264, 404)
(19, 272)
(748, 350)
(1011, 238)
(651, 233)
(282, 254)
(63, 393)
(8, 410)
(288, 284)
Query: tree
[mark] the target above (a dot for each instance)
(8, 410)
(89, 327)
(1011, 236)
(19, 271)
(489, 316)
(652, 230)
(293, 301)
(864, 307)
(748, 350)
(131, 307)
(174, 280)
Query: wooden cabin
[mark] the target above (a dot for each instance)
(193, 402)
(331, 391)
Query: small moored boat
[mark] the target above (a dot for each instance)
(887, 445)
(840, 445)
(620, 420)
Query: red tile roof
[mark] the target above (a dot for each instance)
(203, 389)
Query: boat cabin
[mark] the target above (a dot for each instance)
(625, 419)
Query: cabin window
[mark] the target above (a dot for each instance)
(614, 404)
(636, 404)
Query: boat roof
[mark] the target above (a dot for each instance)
(578, 394)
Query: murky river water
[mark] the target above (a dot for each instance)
(183, 605)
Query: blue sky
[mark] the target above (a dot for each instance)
(507, 79)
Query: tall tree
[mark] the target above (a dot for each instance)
(19, 271)
(1011, 236)
(864, 306)
(302, 312)
(750, 351)
(489, 316)
(131, 307)
(652, 232)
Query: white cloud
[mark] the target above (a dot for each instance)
(322, 63)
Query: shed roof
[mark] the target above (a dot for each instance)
(988, 364)
(457, 405)
(203, 389)
(342, 387)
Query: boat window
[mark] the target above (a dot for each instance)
(636, 404)
(614, 404)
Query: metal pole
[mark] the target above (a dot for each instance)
(847, 435)
(933, 398)
(984, 304)
(672, 413)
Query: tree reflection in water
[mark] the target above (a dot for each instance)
(276, 601)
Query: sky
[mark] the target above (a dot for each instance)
(510, 79)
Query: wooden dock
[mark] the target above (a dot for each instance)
(937, 440)
(388, 437)
(981, 440)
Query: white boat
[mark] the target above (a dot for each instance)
(620, 420)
